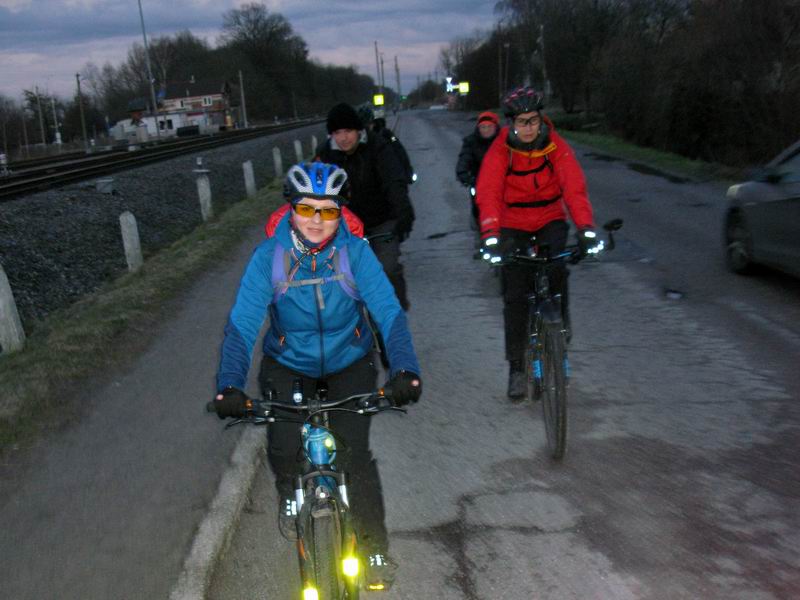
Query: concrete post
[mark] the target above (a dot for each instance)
(313, 146)
(130, 240)
(249, 178)
(204, 193)
(276, 158)
(12, 336)
(204, 190)
(298, 150)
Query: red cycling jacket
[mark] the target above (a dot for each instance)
(527, 190)
(354, 224)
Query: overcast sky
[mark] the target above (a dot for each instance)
(45, 42)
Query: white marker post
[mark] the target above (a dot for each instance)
(298, 150)
(278, 161)
(249, 178)
(130, 241)
(12, 336)
(204, 190)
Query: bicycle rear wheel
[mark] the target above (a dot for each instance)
(326, 550)
(554, 388)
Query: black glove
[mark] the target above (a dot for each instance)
(405, 387)
(587, 241)
(231, 402)
(405, 221)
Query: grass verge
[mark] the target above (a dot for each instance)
(101, 331)
(665, 161)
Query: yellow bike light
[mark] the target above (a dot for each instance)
(375, 586)
(310, 593)
(350, 567)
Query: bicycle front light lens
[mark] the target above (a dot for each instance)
(310, 594)
(350, 567)
(329, 442)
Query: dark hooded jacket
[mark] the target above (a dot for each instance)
(377, 180)
(473, 149)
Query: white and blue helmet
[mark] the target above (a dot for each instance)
(315, 180)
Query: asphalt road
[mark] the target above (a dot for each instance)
(681, 477)
(680, 481)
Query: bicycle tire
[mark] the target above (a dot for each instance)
(554, 392)
(326, 539)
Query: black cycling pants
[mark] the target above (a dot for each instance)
(518, 282)
(352, 438)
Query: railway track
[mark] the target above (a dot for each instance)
(37, 177)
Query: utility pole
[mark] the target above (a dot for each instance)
(499, 71)
(241, 91)
(41, 117)
(154, 112)
(55, 120)
(383, 79)
(397, 76)
(83, 120)
(544, 68)
(25, 134)
(378, 68)
(507, 46)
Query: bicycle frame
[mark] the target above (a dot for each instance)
(320, 490)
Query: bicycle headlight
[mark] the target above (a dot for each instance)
(350, 566)
(310, 593)
(329, 442)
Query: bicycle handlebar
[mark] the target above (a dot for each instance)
(572, 253)
(257, 409)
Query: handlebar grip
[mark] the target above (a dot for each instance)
(211, 407)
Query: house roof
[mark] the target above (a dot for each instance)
(187, 89)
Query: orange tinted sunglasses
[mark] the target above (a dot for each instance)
(329, 213)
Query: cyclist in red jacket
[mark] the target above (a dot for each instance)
(529, 180)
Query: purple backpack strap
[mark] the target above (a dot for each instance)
(279, 271)
(341, 264)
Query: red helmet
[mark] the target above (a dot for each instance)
(522, 100)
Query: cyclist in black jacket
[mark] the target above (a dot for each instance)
(378, 187)
(473, 149)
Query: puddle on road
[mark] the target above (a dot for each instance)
(640, 168)
(603, 157)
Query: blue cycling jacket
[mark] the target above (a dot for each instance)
(317, 325)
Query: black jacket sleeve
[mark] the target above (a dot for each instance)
(466, 162)
(393, 181)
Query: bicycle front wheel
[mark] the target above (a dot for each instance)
(326, 539)
(554, 388)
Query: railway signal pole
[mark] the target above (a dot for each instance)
(83, 119)
(154, 111)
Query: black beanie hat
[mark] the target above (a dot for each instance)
(343, 116)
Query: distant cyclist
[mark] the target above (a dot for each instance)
(528, 182)
(378, 187)
(378, 126)
(473, 149)
(312, 277)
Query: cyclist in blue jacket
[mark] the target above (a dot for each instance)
(313, 278)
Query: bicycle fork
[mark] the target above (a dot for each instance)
(322, 492)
